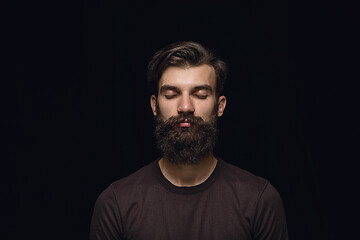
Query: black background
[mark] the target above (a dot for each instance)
(79, 117)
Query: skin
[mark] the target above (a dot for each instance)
(188, 89)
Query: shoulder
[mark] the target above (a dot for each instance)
(125, 190)
(254, 191)
(144, 175)
(122, 192)
(263, 204)
(242, 179)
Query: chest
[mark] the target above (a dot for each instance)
(207, 215)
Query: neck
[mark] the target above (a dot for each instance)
(188, 175)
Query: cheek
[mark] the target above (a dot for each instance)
(206, 112)
(166, 110)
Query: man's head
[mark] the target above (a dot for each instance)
(187, 100)
(185, 54)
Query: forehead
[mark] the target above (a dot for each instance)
(184, 77)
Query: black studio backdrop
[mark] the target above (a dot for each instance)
(82, 118)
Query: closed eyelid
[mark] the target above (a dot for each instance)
(170, 92)
(201, 93)
(201, 96)
(166, 88)
(203, 89)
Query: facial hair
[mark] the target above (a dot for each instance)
(186, 146)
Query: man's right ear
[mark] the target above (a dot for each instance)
(153, 104)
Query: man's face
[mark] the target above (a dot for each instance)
(186, 112)
(188, 90)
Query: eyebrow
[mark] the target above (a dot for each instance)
(176, 89)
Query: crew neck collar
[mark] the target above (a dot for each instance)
(187, 190)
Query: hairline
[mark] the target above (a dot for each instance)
(191, 54)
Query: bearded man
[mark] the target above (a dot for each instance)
(188, 193)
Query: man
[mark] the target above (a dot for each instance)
(188, 193)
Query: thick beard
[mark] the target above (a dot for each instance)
(186, 146)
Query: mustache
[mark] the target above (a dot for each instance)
(189, 117)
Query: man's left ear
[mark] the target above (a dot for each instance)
(153, 104)
(221, 105)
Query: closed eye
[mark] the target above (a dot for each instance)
(170, 96)
(202, 92)
(201, 96)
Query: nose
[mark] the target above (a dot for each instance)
(185, 105)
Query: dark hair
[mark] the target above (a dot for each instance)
(183, 54)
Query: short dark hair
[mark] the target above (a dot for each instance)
(183, 54)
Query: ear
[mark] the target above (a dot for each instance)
(153, 104)
(221, 106)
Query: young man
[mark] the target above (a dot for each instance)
(188, 193)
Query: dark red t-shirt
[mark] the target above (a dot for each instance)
(231, 204)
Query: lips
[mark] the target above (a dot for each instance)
(185, 124)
